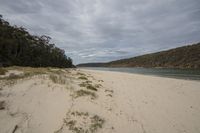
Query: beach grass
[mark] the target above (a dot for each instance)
(3, 71)
(83, 78)
(80, 93)
(79, 73)
(2, 105)
(58, 79)
(89, 86)
(87, 123)
(97, 123)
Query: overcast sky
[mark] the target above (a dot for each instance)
(105, 30)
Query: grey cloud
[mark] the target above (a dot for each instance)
(21, 6)
(102, 30)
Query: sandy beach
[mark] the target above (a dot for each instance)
(91, 101)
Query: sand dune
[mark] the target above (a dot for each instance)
(88, 101)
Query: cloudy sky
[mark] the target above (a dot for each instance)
(105, 30)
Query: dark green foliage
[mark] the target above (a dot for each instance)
(182, 57)
(92, 65)
(18, 47)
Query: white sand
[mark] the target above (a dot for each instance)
(128, 103)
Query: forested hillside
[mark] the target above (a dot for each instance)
(182, 57)
(18, 47)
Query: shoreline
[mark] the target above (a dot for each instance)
(192, 77)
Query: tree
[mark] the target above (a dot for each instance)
(18, 47)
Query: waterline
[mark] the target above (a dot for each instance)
(189, 74)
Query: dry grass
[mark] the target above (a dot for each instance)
(56, 71)
(83, 122)
(100, 80)
(110, 95)
(14, 76)
(29, 72)
(83, 84)
(83, 78)
(57, 75)
(2, 105)
(88, 85)
(82, 74)
(98, 85)
(111, 91)
(38, 70)
(80, 93)
(58, 79)
(80, 113)
(91, 87)
(3, 71)
(97, 123)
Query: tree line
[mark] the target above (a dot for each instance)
(18, 47)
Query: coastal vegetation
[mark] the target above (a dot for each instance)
(16, 73)
(82, 77)
(89, 86)
(2, 71)
(87, 123)
(18, 47)
(81, 93)
(58, 79)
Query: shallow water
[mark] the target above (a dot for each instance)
(163, 72)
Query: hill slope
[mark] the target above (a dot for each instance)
(182, 57)
(18, 47)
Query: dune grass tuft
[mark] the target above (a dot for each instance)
(97, 122)
(87, 123)
(83, 78)
(80, 93)
(58, 79)
(82, 74)
(88, 85)
(2, 105)
(2, 71)
(91, 87)
(14, 76)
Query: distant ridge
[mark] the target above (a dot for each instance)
(92, 65)
(186, 57)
